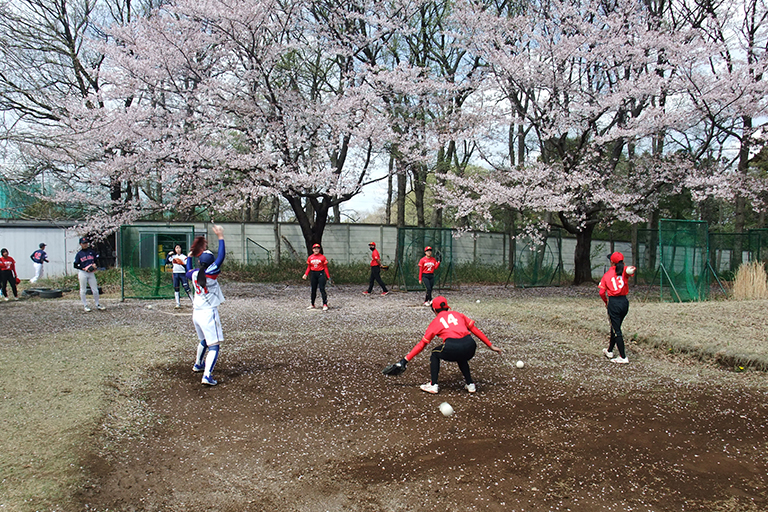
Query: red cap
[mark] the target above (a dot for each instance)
(439, 303)
(427, 248)
(617, 257)
(372, 243)
(316, 245)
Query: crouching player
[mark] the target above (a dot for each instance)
(458, 345)
(208, 296)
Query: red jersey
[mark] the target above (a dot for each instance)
(317, 262)
(612, 285)
(428, 265)
(375, 258)
(8, 263)
(447, 325)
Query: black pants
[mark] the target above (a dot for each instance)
(318, 278)
(429, 283)
(618, 307)
(459, 350)
(6, 276)
(376, 276)
(181, 279)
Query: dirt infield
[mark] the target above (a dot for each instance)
(303, 419)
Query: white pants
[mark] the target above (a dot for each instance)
(88, 278)
(38, 272)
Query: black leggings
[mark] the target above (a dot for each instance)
(317, 278)
(376, 276)
(429, 283)
(459, 350)
(618, 307)
(6, 276)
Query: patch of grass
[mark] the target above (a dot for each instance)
(109, 281)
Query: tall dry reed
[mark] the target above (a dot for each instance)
(750, 282)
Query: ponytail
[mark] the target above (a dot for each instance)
(201, 272)
(620, 268)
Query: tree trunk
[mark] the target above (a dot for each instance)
(419, 189)
(402, 182)
(388, 208)
(582, 255)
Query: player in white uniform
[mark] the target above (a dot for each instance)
(179, 262)
(206, 302)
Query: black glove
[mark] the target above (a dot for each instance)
(395, 368)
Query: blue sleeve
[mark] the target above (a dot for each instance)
(189, 265)
(77, 261)
(215, 267)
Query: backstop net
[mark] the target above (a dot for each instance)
(684, 252)
(410, 249)
(539, 260)
(142, 253)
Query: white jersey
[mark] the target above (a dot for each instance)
(178, 269)
(209, 300)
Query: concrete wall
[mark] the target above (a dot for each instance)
(342, 243)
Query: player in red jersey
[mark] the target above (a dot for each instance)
(458, 345)
(8, 275)
(427, 268)
(317, 270)
(613, 290)
(375, 271)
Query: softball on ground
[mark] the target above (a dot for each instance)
(446, 409)
(478, 301)
(519, 364)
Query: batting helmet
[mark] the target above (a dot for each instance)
(206, 258)
(439, 303)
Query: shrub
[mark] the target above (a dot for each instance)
(750, 282)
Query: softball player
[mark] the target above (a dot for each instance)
(613, 290)
(38, 258)
(375, 271)
(458, 345)
(317, 270)
(8, 275)
(179, 262)
(85, 263)
(205, 314)
(427, 268)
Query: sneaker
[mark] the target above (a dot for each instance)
(208, 381)
(607, 354)
(177, 306)
(15, 298)
(620, 360)
(100, 307)
(427, 303)
(87, 309)
(197, 369)
(325, 307)
(6, 299)
(430, 388)
(366, 293)
(384, 293)
(311, 307)
(471, 387)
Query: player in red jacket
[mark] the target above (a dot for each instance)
(8, 275)
(613, 290)
(427, 268)
(317, 270)
(375, 271)
(458, 345)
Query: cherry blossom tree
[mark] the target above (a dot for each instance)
(584, 77)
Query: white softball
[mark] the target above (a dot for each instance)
(148, 306)
(478, 301)
(631, 270)
(446, 409)
(519, 364)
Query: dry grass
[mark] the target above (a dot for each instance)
(750, 282)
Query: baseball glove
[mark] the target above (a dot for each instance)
(395, 368)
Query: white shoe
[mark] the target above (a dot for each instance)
(427, 303)
(311, 307)
(471, 387)
(325, 307)
(87, 309)
(620, 360)
(177, 306)
(607, 354)
(430, 388)
(100, 307)
(6, 299)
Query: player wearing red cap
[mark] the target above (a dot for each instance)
(375, 271)
(613, 290)
(427, 268)
(458, 345)
(317, 270)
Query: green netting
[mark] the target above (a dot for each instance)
(647, 251)
(727, 251)
(758, 244)
(142, 251)
(256, 253)
(410, 249)
(684, 252)
(539, 260)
